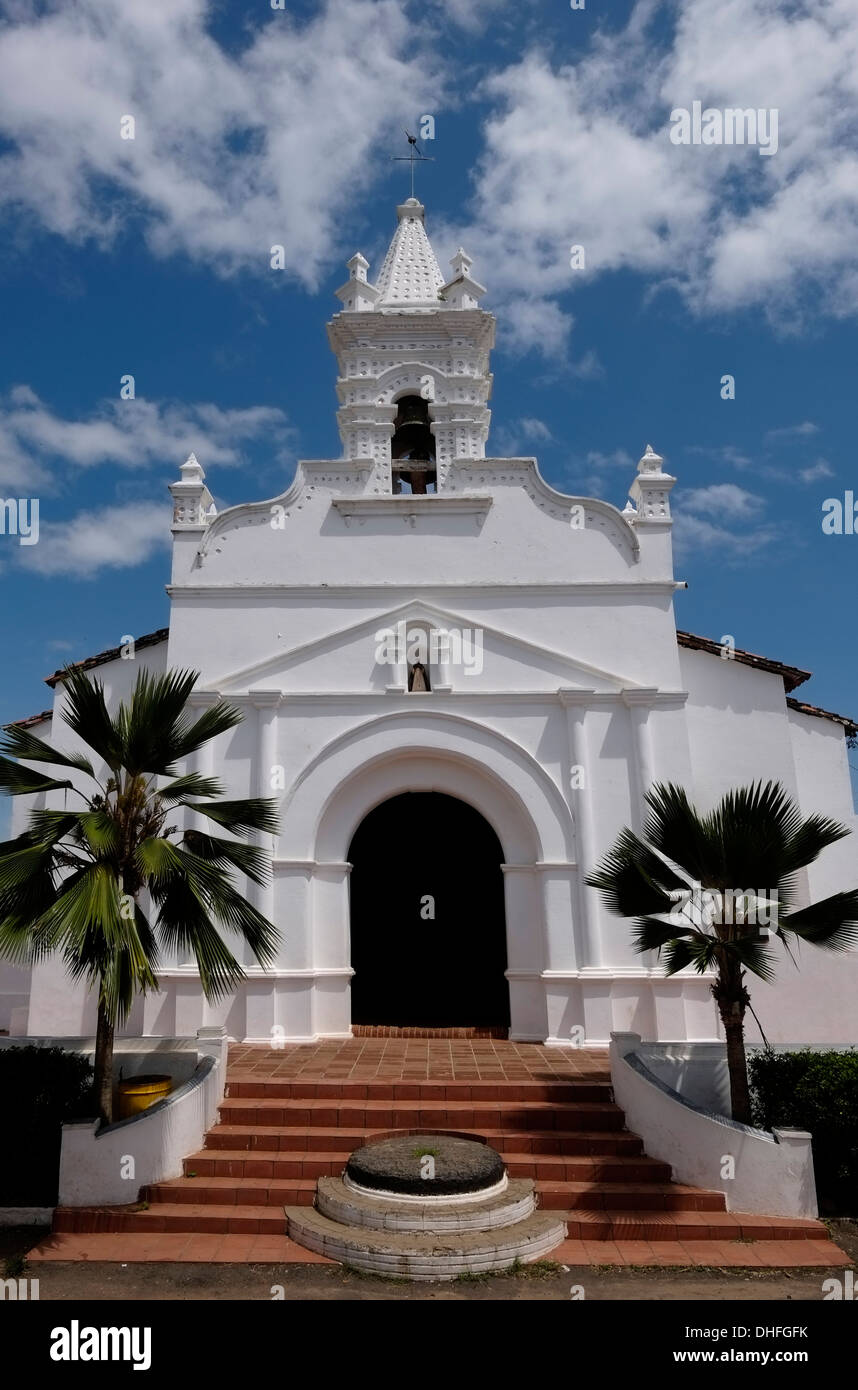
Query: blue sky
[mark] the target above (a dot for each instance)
(256, 126)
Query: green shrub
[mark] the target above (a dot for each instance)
(817, 1091)
(41, 1088)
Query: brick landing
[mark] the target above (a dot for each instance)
(293, 1115)
(416, 1059)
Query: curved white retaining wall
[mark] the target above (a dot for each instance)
(112, 1165)
(773, 1173)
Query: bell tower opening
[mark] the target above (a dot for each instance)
(412, 448)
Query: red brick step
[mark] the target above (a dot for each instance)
(278, 1134)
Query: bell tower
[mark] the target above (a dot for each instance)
(413, 357)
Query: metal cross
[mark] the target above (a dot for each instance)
(414, 156)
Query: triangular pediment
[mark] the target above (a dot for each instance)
(358, 658)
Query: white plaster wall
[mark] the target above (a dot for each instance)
(772, 1174)
(580, 665)
(738, 726)
(741, 730)
(93, 1161)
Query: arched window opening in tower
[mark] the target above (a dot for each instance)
(412, 449)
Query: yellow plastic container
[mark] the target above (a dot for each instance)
(141, 1092)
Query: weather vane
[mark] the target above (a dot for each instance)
(415, 156)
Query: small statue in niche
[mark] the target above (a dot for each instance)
(418, 677)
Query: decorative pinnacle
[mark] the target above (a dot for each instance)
(461, 262)
(650, 462)
(191, 470)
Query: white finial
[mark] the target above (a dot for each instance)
(358, 266)
(191, 470)
(650, 462)
(461, 262)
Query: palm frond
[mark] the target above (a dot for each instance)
(256, 813)
(85, 711)
(48, 828)
(193, 784)
(632, 880)
(754, 956)
(672, 826)
(184, 923)
(83, 920)
(158, 860)
(148, 722)
(210, 887)
(20, 743)
(813, 836)
(216, 720)
(248, 859)
(18, 780)
(129, 970)
(654, 933)
(831, 923)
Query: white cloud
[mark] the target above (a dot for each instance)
(474, 15)
(535, 429)
(233, 152)
(618, 458)
(724, 520)
(820, 469)
(277, 143)
(725, 453)
(722, 499)
(579, 153)
(735, 545)
(588, 367)
(111, 538)
(788, 432)
(508, 440)
(126, 434)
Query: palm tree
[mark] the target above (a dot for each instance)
(682, 880)
(73, 881)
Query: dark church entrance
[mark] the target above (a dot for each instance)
(428, 935)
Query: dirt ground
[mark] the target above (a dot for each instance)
(307, 1283)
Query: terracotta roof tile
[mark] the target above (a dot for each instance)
(792, 675)
(849, 725)
(30, 720)
(149, 639)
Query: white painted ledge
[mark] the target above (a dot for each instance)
(773, 1172)
(148, 1147)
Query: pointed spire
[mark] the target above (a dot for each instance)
(410, 276)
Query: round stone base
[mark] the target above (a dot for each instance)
(426, 1166)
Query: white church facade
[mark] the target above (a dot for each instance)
(459, 684)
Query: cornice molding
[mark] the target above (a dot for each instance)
(302, 591)
(408, 508)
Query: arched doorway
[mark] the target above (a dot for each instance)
(428, 935)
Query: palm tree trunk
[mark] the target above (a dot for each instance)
(737, 1067)
(103, 1077)
(732, 999)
